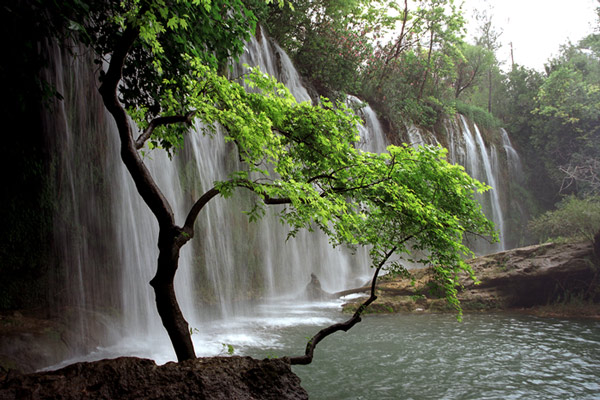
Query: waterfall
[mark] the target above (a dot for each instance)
(271, 58)
(372, 137)
(106, 236)
(515, 167)
(478, 164)
(416, 136)
(466, 149)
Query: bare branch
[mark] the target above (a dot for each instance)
(274, 201)
(586, 172)
(343, 326)
(161, 121)
(188, 227)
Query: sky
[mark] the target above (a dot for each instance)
(536, 28)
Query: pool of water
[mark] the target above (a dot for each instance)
(487, 356)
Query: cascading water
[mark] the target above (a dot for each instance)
(107, 236)
(482, 161)
(471, 151)
(231, 260)
(465, 148)
(515, 167)
(489, 177)
(417, 138)
(372, 137)
(290, 263)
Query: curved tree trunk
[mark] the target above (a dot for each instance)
(166, 301)
(171, 237)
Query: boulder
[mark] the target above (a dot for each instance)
(535, 275)
(553, 275)
(136, 378)
(313, 290)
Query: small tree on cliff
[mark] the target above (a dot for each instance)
(163, 57)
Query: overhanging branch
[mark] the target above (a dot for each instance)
(188, 227)
(342, 326)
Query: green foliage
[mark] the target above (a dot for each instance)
(478, 115)
(410, 76)
(553, 121)
(333, 57)
(228, 348)
(568, 108)
(292, 153)
(171, 35)
(573, 218)
(568, 97)
(471, 68)
(326, 39)
(303, 155)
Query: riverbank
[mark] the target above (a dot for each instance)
(553, 280)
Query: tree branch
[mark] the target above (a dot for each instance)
(343, 326)
(188, 227)
(160, 121)
(144, 182)
(266, 198)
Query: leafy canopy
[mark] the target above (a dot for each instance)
(296, 154)
(304, 156)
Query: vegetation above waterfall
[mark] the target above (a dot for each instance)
(411, 61)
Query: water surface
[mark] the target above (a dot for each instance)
(487, 356)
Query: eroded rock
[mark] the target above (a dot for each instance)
(533, 276)
(215, 378)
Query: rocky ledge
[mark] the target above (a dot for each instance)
(548, 279)
(136, 378)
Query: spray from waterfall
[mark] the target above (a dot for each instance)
(111, 257)
(106, 236)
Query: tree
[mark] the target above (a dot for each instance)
(569, 102)
(163, 60)
(409, 77)
(474, 61)
(327, 39)
(444, 25)
(573, 218)
(403, 201)
(488, 39)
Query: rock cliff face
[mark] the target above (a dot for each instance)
(541, 275)
(535, 275)
(215, 378)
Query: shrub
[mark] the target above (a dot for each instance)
(574, 218)
(481, 117)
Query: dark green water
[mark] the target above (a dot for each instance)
(493, 356)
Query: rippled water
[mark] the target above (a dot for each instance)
(487, 356)
(493, 356)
